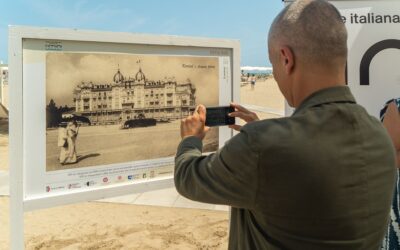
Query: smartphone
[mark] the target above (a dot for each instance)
(218, 116)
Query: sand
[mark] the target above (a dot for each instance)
(266, 93)
(95, 225)
(4, 153)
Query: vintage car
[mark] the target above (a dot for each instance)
(135, 123)
(81, 120)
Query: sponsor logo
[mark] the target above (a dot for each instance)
(120, 178)
(144, 175)
(53, 45)
(53, 188)
(90, 183)
(105, 179)
(130, 177)
(74, 185)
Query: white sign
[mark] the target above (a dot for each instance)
(96, 114)
(374, 51)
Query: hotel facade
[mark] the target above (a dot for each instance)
(127, 98)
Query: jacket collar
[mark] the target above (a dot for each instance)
(327, 95)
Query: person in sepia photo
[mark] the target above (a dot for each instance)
(68, 143)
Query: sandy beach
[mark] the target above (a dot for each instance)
(95, 225)
(3, 144)
(98, 225)
(266, 93)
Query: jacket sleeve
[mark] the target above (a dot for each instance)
(229, 176)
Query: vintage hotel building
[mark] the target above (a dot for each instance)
(134, 97)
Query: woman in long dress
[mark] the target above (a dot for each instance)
(68, 150)
(62, 143)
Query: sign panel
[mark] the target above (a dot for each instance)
(100, 113)
(374, 51)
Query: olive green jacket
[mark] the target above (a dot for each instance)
(320, 179)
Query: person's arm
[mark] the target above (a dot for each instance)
(392, 124)
(229, 176)
(74, 133)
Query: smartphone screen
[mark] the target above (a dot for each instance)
(218, 116)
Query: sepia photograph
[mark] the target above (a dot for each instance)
(105, 109)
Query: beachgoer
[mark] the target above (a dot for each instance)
(253, 81)
(322, 178)
(390, 116)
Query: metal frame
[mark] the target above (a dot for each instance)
(18, 202)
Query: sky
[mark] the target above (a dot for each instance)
(247, 21)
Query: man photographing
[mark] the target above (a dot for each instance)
(320, 179)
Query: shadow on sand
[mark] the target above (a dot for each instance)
(83, 157)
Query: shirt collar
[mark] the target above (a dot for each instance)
(327, 95)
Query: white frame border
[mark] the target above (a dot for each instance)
(19, 205)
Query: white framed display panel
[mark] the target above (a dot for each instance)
(26, 99)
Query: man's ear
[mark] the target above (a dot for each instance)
(287, 59)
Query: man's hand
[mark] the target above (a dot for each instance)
(194, 125)
(243, 114)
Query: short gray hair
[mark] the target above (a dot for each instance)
(313, 29)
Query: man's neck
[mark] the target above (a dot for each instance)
(309, 83)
